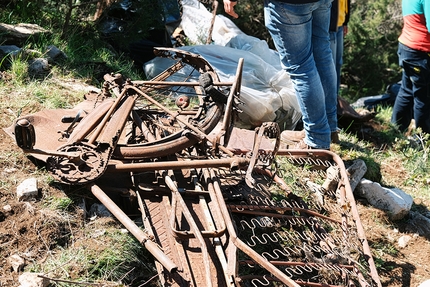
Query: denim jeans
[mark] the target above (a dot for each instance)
(300, 33)
(413, 99)
(336, 45)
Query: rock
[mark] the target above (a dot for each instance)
(54, 54)
(28, 279)
(404, 240)
(420, 223)
(6, 53)
(27, 189)
(393, 200)
(17, 262)
(38, 68)
(9, 50)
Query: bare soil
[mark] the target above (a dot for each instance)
(32, 231)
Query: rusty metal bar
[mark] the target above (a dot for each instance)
(253, 210)
(233, 163)
(116, 124)
(106, 118)
(90, 122)
(354, 210)
(185, 84)
(214, 10)
(151, 246)
(234, 91)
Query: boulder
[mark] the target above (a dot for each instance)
(396, 202)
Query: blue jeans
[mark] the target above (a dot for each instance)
(413, 99)
(300, 33)
(336, 45)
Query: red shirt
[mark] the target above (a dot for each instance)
(415, 33)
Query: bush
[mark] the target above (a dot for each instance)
(370, 55)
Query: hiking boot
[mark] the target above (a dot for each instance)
(294, 136)
(301, 145)
(297, 136)
(334, 136)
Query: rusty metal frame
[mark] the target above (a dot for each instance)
(181, 217)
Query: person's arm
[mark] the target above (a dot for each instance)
(229, 7)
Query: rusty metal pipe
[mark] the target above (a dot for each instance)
(354, 210)
(184, 84)
(106, 117)
(233, 162)
(151, 246)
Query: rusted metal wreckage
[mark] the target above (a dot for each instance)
(215, 212)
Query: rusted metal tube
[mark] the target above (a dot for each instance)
(184, 84)
(102, 124)
(234, 163)
(151, 246)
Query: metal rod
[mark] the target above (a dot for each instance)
(233, 162)
(151, 246)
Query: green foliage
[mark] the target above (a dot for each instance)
(59, 203)
(370, 51)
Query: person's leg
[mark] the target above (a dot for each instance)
(324, 60)
(336, 46)
(290, 26)
(404, 102)
(420, 75)
(338, 61)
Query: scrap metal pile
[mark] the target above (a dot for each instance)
(220, 206)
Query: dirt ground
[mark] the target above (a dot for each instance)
(30, 230)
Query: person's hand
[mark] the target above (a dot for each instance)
(345, 30)
(229, 8)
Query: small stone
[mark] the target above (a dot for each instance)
(28, 279)
(17, 262)
(27, 189)
(404, 240)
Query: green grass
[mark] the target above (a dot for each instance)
(106, 254)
